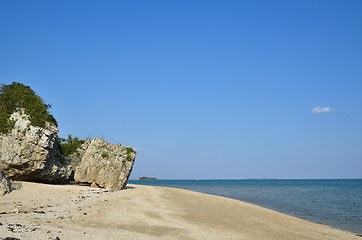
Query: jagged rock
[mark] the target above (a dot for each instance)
(104, 164)
(29, 153)
(6, 186)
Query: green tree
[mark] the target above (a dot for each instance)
(17, 95)
(69, 146)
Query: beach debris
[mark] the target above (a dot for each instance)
(36, 211)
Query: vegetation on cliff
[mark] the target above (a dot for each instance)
(17, 95)
(69, 146)
(129, 153)
(38, 154)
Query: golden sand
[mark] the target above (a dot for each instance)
(41, 211)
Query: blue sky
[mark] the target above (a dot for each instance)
(201, 89)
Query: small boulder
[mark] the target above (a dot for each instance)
(6, 186)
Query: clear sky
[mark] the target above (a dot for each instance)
(201, 88)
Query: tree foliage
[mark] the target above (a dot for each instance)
(17, 95)
(69, 146)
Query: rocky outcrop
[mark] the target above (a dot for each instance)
(6, 186)
(30, 153)
(103, 164)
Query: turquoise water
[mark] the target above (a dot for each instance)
(336, 202)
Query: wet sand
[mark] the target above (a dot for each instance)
(41, 211)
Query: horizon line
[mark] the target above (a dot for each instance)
(249, 179)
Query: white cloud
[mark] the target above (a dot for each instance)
(137, 149)
(322, 110)
(141, 150)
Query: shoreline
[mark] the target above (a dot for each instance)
(316, 200)
(42, 211)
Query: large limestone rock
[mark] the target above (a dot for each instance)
(103, 164)
(29, 153)
(6, 186)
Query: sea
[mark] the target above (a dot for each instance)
(333, 202)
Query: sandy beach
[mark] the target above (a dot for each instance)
(41, 211)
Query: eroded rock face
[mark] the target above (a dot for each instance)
(29, 153)
(103, 164)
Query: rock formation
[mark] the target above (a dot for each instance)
(103, 164)
(6, 186)
(29, 153)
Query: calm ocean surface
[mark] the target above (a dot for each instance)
(336, 202)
